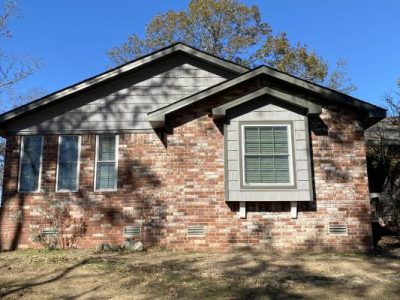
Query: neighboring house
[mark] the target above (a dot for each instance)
(383, 140)
(386, 132)
(189, 151)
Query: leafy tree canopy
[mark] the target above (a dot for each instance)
(234, 31)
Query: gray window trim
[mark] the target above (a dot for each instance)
(78, 164)
(292, 168)
(40, 165)
(116, 136)
(309, 164)
(226, 171)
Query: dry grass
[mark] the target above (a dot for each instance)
(161, 274)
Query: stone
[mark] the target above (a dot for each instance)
(99, 247)
(135, 246)
(106, 247)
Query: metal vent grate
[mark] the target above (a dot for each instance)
(195, 231)
(132, 231)
(337, 229)
(49, 231)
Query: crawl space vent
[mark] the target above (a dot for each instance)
(49, 231)
(131, 231)
(337, 229)
(195, 231)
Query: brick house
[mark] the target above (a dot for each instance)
(189, 151)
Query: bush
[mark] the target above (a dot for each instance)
(64, 231)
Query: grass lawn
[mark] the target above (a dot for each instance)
(161, 274)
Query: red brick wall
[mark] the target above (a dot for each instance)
(169, 187)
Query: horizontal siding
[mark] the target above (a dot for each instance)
(124, 103)
(267, 112)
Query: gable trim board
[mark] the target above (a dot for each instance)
(119, 71)
(157, 117)
(311, 108)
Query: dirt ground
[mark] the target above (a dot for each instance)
(162, 274)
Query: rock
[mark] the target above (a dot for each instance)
(135, 246)
(128, 244)
(99, 247)
(108, 247)
(105, 247)
(138, 246)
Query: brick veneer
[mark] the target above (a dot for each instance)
(167, 183)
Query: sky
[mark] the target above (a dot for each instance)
(71, 37)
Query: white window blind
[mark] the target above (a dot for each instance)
(106, 166)
(266, 155)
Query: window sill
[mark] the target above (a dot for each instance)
(268, 187)
(106, 190)
(30, 192)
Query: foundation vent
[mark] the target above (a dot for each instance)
(49, 231)
(337, 229)
(196, 231)
(132, 231)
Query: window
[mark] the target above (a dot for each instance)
(106, 162)
(30, 166)
(266, 154)
(68, 163)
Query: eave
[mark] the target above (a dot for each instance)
(372, 113)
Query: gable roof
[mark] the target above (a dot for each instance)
(157, 117)
(123, 69)
(373, 113)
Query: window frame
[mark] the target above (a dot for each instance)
(78, 164)
(291, 155)
(40, 164)
(116, 136)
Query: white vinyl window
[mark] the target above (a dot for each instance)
(68, 163)
(266, 155)
(31, 163)
(106, 162)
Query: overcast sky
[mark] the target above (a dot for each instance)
(71, 37)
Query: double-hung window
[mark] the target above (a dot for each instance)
(266, 155)
(30, 166)
(106, 162)
(68, 163)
